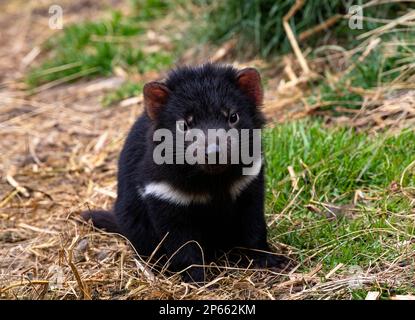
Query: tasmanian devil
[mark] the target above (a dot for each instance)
(193, 212)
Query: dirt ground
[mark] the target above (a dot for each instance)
(59, 149)
(44, 140)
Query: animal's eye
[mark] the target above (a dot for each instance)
(182, 126)
(233, 118)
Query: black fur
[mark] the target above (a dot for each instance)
(202, 92)
(104, 220)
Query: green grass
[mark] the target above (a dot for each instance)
(258, 23)
(150, 9)
(96, 48)
(126, 90)
(331, 165)
(391, 59)
(258, 27)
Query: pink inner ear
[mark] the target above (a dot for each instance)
(155, 96)
(249, 81)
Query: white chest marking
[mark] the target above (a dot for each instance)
(242, 183)
(165, 191)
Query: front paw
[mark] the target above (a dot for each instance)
(194, 275)
(270, 261)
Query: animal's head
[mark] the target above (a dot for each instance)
(207, 107)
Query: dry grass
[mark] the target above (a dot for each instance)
(58, 157)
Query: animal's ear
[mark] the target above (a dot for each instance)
(155, 97)
(249, 81)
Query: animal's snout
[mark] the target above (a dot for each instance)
(212, 149)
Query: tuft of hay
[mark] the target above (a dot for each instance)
(395, 113)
